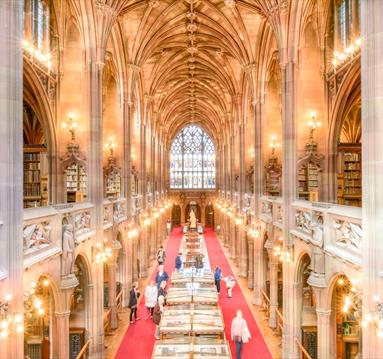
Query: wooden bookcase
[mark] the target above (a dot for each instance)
(273, 177)
(113, 184)
(349, 178)
(35, 176)
(76, 182)
(308, 180)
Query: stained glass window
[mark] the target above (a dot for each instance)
(192, 160)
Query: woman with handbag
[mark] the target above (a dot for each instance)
(240, 333)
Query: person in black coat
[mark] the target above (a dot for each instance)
(133, 302)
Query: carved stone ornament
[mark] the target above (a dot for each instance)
(36, 236)
(348, 234)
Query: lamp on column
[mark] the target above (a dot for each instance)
(274, 144)
(102, 252)
(313, 124)
(71, 125)
(111, 146)
(9, 322)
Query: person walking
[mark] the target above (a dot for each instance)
(178, 262)
(161, 276)
(162, 290)
(240, 333)
(217, 278)
(157, 314)
(151, 294)
(133, 301)
(161, 255)
(230, 283)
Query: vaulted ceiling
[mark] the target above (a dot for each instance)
(192, 55)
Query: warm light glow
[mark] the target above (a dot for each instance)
(45, 282)
(8, 297)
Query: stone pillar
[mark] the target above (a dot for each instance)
(11, 159)
(62, 325)
(96, 196)
(324, 333)
(273, 291)
(259, 271)
(289, 193)
(232, 238)
(250, 271)
(243, 257)
(112, 267)
(372, 167)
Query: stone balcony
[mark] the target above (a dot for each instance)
(43, 226)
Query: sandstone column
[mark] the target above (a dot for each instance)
(372, 167)
(324, 333)
(11, 159)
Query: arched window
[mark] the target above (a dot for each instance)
(192, 160)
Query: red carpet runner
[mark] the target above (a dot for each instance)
(138, 341)
(256, 348)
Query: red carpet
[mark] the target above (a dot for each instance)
(256, 348)
(138, 341)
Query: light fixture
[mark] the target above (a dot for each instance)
(71, 125)
(349, 52)
(274, 143)
(103, 252)
(110, 145)
(36, 54)
(9, 322)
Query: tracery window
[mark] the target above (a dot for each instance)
(192, 160)
(37, 23)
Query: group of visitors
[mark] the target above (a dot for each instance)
(155, 299)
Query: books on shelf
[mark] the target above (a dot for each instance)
(35, 176)
(77, 182)
(349, 179)
(308, 180)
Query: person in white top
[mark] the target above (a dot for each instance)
(151, 293)
(230, 283)
(239, 333)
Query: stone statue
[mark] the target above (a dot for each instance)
(68, 250)
(193, 220)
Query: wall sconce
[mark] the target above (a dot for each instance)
(133, 231)
(36, 54)
(274, 144)
(111, 146)
(283, 255)
(102, 252)
(9, 322)
(313, 124)
(349, 52)
(71, 125)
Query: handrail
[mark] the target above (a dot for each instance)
(119, 300)
(265, 303)
(107, 318)
(279, 320)
(303, 354)
(84, 351)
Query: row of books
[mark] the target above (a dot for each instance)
(32, 189)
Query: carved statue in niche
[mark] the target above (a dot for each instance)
(68, 250)
(193, 220)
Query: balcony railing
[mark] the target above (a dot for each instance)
(335, 229)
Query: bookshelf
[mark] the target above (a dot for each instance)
(273, 176)
(349, 179)
(308, 180)
(35, 176)
(76, 183)
(113, 184)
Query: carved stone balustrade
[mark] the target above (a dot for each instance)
(335, 229)
(119, 210)
(266, 209)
